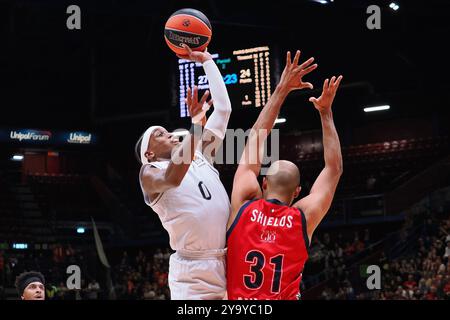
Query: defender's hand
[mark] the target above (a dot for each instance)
(291, 78)
(323, 103)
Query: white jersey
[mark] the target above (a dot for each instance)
(195, 214)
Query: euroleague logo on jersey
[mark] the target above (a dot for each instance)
(268, 236)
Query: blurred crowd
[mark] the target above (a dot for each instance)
(422, 273)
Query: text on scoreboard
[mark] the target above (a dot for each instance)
(246, 74)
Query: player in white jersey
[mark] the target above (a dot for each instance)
(189, 197)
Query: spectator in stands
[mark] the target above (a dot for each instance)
(131, 288)
(337, 252)
(447, 250)
(327, 241)
(431, 295)
(423, 286)
(124, 262)
(93, 290)
(327, 294)
(158, 255)
(401, 293)
(349, 249)
(358, 244)
(50, 291)
(315, 251)
(148, 292)
(446, 288)
(340, 295)
(31, 286)
(410, 284)
(61, 292)
(58, 253)
(349, 291)
(167, 254)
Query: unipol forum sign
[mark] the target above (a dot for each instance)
(29, 135)
(45, 137)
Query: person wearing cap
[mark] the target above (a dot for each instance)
(31, 286)
(180, 183)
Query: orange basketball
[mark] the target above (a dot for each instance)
(190, 27)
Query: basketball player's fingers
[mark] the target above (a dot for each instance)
(187, 48)
(191, 112)
(333, 78)
(296, 58)
(306, 63)
(189, 96)
(197, 109)
(338, 82)
(211, 102)
(288, 58)
(308, 70)
(194, 109)
(313, 100)
(204, 97)
(195, 97)
(325, 85)
(307, 85)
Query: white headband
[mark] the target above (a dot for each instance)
(145, 141)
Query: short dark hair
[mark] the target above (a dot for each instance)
(25, 278)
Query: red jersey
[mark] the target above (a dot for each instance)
(267, 250)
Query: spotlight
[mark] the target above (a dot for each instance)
(377, 108)
(80, 230)
(394, 6)
(280, 120)
(17, 157)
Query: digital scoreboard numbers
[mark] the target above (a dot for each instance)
(246, 74)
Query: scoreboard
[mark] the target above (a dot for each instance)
(246, 73)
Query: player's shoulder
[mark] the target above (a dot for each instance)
(251, 204)
(149, 170)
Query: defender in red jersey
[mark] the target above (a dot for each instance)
(256, 239)
(267, 238)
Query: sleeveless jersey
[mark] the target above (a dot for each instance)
(195, 214)
(267, 250)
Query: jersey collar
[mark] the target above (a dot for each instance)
(276, 201)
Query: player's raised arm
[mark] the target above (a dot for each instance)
(317, 203)
(245, 184)
(217, 123)
(156, 180)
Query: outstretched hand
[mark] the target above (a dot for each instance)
(323, 103)
(196, 56)
(291, 78)
(197, 109)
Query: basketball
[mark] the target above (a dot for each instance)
(190, 27)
